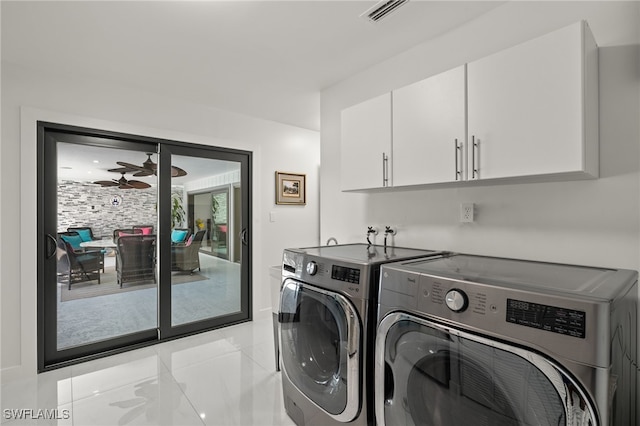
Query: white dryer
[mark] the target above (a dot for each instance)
(473, 340)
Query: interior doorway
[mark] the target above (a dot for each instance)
(212, 212)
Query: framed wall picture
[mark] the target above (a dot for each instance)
(291, 189)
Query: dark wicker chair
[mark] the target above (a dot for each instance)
(136, 258)
(78, 266)
(186, 257)
(84, 232)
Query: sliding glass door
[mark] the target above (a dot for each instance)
(123, 260)
(207, 287)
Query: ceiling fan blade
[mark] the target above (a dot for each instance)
(122, 170)
(106, 183)
(138, 184)
(125, 186)
(147, 168)
(130, 166)
(144, 173)
(177, 171)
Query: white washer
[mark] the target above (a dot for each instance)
(486, 341)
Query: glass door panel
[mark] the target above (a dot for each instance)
(93, 295)
(205, 284)
(107, 286)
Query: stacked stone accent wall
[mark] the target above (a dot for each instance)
(87, 204)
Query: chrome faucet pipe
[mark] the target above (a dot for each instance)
(371, 230)
(388, 231)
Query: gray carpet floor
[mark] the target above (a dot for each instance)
(109, 285)
(92, 319)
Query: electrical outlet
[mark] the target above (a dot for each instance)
(466, 212)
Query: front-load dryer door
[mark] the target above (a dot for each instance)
(320, 337)
(434, 375)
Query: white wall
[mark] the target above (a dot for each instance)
(587, 222)
(592, 222)
(29, 95)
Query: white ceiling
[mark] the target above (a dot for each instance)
(267, 59)
(86, 163)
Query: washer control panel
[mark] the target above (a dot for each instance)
(548, 318)
(532, 304)
(343, 273)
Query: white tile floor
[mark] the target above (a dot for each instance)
(223, 377)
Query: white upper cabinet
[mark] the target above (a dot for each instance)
(533, 108)
(429, 130)
(366, 144)
(526, 113)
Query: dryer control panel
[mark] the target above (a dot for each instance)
(544, 317)
(346, 274)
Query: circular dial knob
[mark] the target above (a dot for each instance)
(312, 268)
(456, 300)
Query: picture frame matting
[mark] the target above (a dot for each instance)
(291, 189)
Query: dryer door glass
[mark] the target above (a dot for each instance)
(434, 375)
(319, 337)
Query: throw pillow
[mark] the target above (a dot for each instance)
(178, 236)
(73, 240)
(85, 234)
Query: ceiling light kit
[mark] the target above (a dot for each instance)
(147, 168)
(123, 183)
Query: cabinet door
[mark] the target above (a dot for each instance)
(429, 130)
(366, 144)
(526, 107)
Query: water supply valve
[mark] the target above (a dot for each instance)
(371, 230)
(388, 231)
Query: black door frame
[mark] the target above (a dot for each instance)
(49, 357)
(168, 149)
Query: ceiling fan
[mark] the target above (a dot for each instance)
(148, 168)
(123, 183)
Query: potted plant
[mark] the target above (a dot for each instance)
(177, 212)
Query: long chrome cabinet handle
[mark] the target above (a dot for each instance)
(474, 147)
(456, 153)
(385, 170)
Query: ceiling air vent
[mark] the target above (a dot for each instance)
(382, 9)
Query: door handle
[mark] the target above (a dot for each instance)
(243, 236)
(52, 246)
